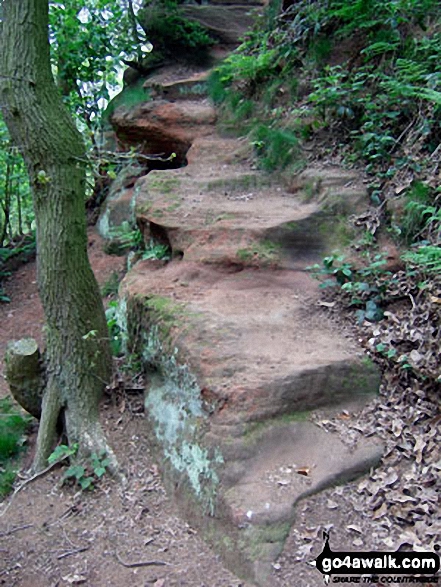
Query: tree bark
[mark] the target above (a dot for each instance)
(78, 360)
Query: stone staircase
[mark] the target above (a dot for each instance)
(241, 360)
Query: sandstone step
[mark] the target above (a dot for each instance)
(238, 361)
(221, 209)
(162, 127)
(289, 462)
(193, 87)
(227, 23)
(239, 357)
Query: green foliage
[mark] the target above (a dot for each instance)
(426, 258)
(110, 288)
(392, 95)
(422, 216)
(115, 334)
(156, 250)
(124, 238)
(274, 146)
(83, 474)
(13, 426)
(129, 97)
(88, 40)
(364, 288)
(16, 212)
(62, 452)
(253, 69)
(171, 33)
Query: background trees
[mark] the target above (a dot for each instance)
(77, 358)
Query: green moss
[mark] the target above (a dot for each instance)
(163, 183)
(263, 253)
(200, 89)
(256, 539)
(173, 207)
(164, 311)
(129, 97)
(237, 184)
(225, 216)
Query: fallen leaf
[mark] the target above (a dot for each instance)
(354, 528)
(391, 478)
(326, 304)
(331, 505)
(304, 551)
(380, 512)
(305, 471)
(74, 579)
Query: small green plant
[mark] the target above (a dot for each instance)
(419, 212)
(363, 288)
(110, 288)
(62, 452)
(275, 147)
(124, 238)
(85, 475)
(265, 253)
(116, 342)
(171, 33)
(156, 250)
(13, 426)
(425, 257)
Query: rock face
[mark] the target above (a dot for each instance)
(241, 361)
(163, 127)
(227, 22)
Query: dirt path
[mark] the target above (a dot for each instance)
(56, 536)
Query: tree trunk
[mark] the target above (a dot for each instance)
(78, 360)
(25, 374)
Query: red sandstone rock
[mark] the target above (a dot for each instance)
(162, 127)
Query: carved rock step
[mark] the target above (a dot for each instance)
(287, 462)
(227, 23)
(193, 87)
(221, 209)
(238, 362)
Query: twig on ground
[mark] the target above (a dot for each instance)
(141, 563)
(71, 552)
(17, 529)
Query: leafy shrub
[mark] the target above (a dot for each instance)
(13, 426)
(275, 147)
(171, 33)
(156, 250)
(114, 328)
(84, 474)
(363, 288)
(417, 211)
(426, 258)
(124, 238)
